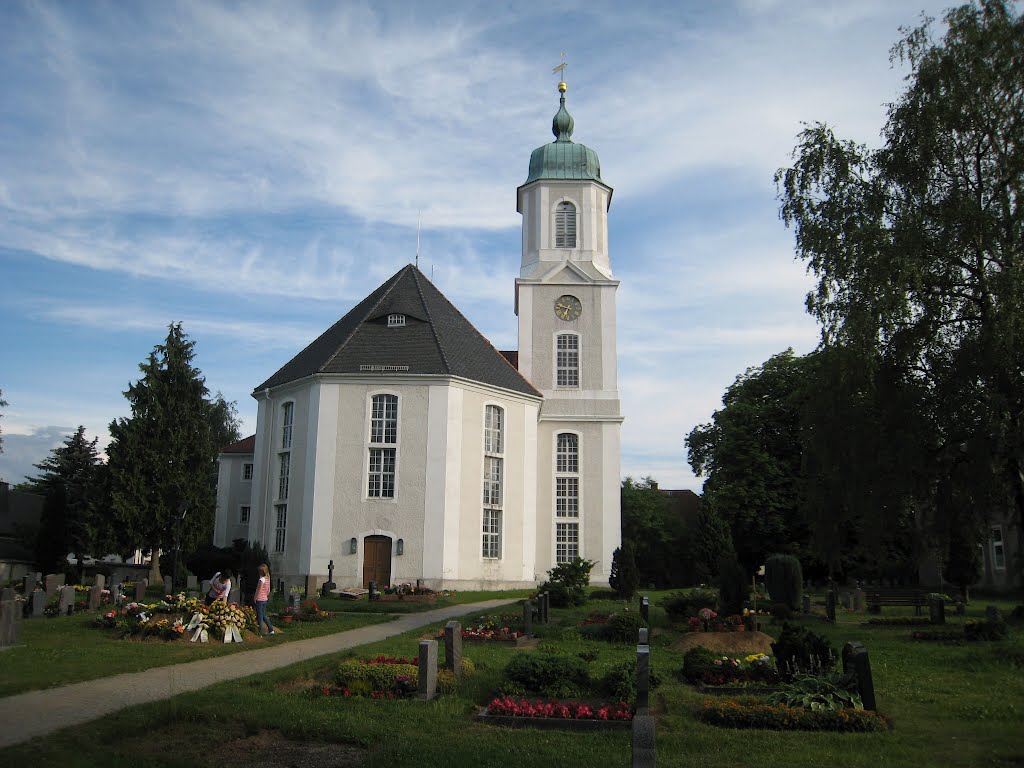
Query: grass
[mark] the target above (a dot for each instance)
(951, 705)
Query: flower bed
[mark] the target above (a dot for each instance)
(556, 714)
(729, 713)
(495, 628)
(389, 677)
(181, 615)
(702, 667)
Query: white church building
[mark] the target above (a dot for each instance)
(402, 446)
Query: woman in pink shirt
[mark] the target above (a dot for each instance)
(261, 598)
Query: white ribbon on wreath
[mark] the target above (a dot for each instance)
(198, 623)
(231, 634)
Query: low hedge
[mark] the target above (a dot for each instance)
(729, 713)
(899, 621)
(363, 677)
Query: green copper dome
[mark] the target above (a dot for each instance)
(562, 158)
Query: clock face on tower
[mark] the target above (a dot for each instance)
(568, 307)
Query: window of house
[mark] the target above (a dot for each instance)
(247, 471)
(243, 514)
(567, 360)
(567, 496)
(280, 527)
(396, 321)
(998, 549)
(494, 442)
(567, 542)
(565, 225)
(382, 453)
(284, 470)
(287, 415)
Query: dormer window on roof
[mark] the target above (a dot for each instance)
(396, 321)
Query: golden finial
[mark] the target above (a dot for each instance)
(562, 87)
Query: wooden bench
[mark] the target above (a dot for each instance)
(876, 598)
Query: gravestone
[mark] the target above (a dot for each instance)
(116, 596)
(38, 603)
(845, 600)
(329, 585)
(66, 605)
(94, 597)
(101, 581)
(645, 608)
(992, 614)
(140, 590)
(168, 585)
(373, 591)
(191, 582)
(807, 603)
(310, 588)
(644, 752)
(644, 634)
(830, 606)
(235, 595)
(855, 660)
(545, 604)
(527, 617)
(204, 589)
(428, 670)
(54, 581)
(296, 599)
(28, 585)
(936, 610)
(10, 619)
(643, 678)
(453, 647)
(859, 597)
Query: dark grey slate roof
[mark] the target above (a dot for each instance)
(436, 339)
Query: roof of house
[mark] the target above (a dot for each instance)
(245, 445)
(436, 339)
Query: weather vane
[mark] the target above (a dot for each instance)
(560, 68)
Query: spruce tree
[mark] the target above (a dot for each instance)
(162, 457)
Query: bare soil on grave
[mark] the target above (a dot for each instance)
(268, 749)
(732, 643)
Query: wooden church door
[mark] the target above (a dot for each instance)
(376, 561)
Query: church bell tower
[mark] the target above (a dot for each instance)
(565, 301)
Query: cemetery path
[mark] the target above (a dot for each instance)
(37, 713)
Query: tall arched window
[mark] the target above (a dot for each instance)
(565, 225)
(567, 497)
(383, 453)
(494, 443)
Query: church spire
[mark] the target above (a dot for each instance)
(562, 124)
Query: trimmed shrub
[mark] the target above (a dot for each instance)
(567, 582)
(357, 675)
(798, 649)
(733, 587)
(625, 576)
(623, 627)
(548, 675)
(729, 713)
(696, 662)
(682, 605)
(899, 621)
(784, 579)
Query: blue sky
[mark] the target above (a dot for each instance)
(254, 169)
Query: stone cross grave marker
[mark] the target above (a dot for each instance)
(855, 660)
(66, 606)
(38, 603)
(936, 610)
(830, 605)
(643, 678)
(10, 619)
(94, 597)
(140, 590)
(527, 617)
(453, 647)
(428, 670)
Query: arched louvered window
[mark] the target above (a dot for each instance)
(565, 225)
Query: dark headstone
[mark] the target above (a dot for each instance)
(936, 610)
(855, 660)
(644, 636)
(192, 583)
(845, 600)
(327, 587)
(453, 647)
(859, 596)
(830, 605)
(330, 572)
(643, 678)
(527, 617)
(545, 607)
(94, 597)
(296, 599)
(140, 590)
(645, 753)
(373, 590)
(10, 619)
(428, 670)
(38, 604)
(28, 585)
(807, 603)
(645, 608)
(992, 614)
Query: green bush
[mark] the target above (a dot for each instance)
(733, 587)
(682, 605)
(623, 627)
(624, 577)
(619, 683)
(829, 691)
(784, 579)
(548, 675)
(799, 650)
(729, 713)
(781, 612)
(355, 674)
(567, 582)
(985, 630)
(696, 662)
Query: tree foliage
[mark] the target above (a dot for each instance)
(76, 514)
(656, 532)
(3, 404)
(163, 457)
(917, 250)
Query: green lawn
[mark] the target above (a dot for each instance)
(951, 706)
